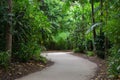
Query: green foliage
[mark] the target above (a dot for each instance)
(4, 19)
(112, 28)
(99, 41)
(78, 50)
(31, 30)
(61, 40)
(114, 63)
(58, 22)
(100, 54)
(113, 33)
(4, 59)
(53, 10)
(90, 53)
(79, 19)
(27, 51)
(100, 46)
(42, 59)
(89, 45)
(54, 24)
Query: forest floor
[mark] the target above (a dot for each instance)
(17, 70)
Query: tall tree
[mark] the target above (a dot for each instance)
(93, 22)
(101, 20)
(8, 29)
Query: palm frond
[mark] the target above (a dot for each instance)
(93, 26)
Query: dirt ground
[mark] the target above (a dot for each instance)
(16, 70)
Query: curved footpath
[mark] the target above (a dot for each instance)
(66, 67)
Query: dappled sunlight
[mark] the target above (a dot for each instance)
(58, 53)
(54, 53)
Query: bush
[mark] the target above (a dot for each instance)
(31, 29)
(114, 63)
(80, 49)
(100, 47)
(27, 51)
(41, 58)
(89, 45)
(100, 54)
(76, 50)
(4, 59)
(60, 41)
(90, 53)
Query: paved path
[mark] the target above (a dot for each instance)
(66, 67)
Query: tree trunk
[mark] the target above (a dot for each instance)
(93, 22)
(106, 19)
(101, 5)
(42, 1)
(8, 30)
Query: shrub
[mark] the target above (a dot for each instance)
(4, 59)
(30, 30)
(27, 51)
(89, 45)
(100, 47)
(76, 50)
(60, 41)
(90, 53)
(114, 63)
(100, 54)
(80, 49)
(41, 58)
